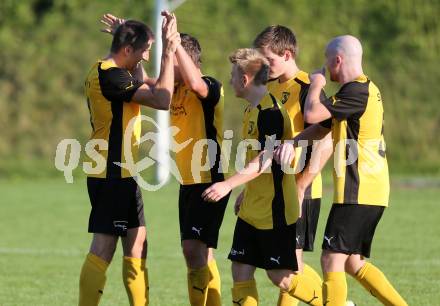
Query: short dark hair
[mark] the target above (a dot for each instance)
(192, 47)
(277, 38)
(131, 33)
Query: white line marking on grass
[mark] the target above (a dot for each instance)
(78, 252)
(30, 251)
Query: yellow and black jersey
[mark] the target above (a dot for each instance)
(200, 123)
(361, 169)
(109, 90)
(292, 94)
(270, 200)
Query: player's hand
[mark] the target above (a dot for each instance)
(168, 17)
(284, 154)
(216, 192)
(238, 202)
(111, 23)
(170, 36)
(318, 77)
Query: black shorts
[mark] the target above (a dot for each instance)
(116, 205)
(350, 228)
(267, 249)
(306, 225)
(198, 219)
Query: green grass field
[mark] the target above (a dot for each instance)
(44, 240)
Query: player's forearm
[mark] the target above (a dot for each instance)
(163, 89)
(191, 75)
(311, 133)
(252, 170)
(311, 107)
(150, 81)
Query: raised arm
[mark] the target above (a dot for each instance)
(314, 110)
(191, 73)
(159, 96)
(155, 93)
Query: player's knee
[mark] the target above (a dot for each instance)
(328, 261)
(279, 279)
(325, 261)
(139, 249)
(104, 248)
(354, 264)
(193, 253)
(349, 270)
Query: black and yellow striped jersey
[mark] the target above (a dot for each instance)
(109, 90)
(270, 200)
(199, 121)
(292, 94)
(360, 169)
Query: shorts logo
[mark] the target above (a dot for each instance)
(120, 224)
(238, 302)
(297, 239)
(235, 252)
(277, 260)
(197, 230)
(202, 290)
(328, 239)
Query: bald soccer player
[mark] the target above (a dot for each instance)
(361, 185)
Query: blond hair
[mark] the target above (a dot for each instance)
(253, 63)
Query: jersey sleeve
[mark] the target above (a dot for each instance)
(214, 90)
(118, 84)
(350, 101)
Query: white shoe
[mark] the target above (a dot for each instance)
(350, 303)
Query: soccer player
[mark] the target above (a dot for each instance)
(290, 86)
(264, 234)
(115, 91)
(361, 183)
(197, 110)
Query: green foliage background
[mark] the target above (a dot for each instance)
(47, 47)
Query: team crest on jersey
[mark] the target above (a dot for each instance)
(251, 127)
(285, 97)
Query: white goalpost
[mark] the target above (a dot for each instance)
(162, 173)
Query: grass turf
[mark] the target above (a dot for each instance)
(44, 240)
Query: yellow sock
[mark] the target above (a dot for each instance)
(245, 293)
(135, 277)
(377, 284)
(285, 299)
(306, 289)
(310, 272)
(334, 289)
(92, 280)
(214, 285)
(198, 280)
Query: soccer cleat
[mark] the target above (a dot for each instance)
(350, 303)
